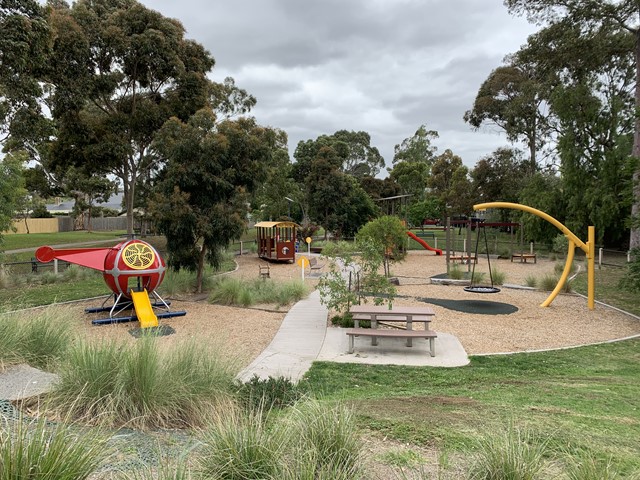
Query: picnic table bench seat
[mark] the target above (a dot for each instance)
(408, 334)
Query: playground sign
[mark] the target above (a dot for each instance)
(303, 262)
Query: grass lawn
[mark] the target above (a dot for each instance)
(35, 240)
(585, 399)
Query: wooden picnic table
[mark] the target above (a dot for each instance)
(376, 313)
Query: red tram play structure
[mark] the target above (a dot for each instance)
(276, 240)
(132, 270)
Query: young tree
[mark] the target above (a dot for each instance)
(201, 203)
(388, 234)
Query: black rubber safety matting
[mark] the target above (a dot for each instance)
(159, 331)
(478, 307)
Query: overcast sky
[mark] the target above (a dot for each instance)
(382, 66)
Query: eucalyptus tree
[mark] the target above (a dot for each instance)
(450, 183)
(589, 16)
(357, 156)
(512, 98)
(592, 106)
(11, 190)
(201, 198)
(119, 71)
(24, 46)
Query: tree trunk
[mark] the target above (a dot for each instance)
(634, 237)
(203, 253)
(129, 191)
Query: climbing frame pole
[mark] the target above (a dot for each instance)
(588, 248)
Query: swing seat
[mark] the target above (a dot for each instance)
(481, 289)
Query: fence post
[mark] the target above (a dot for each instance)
(629, 256)
(55, 266)
(600, 250)
(240, 247)
(531, 248)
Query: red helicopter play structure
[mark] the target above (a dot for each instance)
(132, 269)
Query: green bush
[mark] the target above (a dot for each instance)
(269, 393)
(143, 385)
(37, 337)
(558, 268)
(632, 281)
(39, 449)
(560, 244)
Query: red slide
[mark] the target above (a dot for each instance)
(424, 244)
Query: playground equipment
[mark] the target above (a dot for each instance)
(424, 244)
(588, 248)
(475, 287)
(132, 270)
(276, 240)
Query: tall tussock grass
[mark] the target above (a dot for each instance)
(245, 293)
(142, 385)
(37, 449)
(512, 454)
(310, 441)
(36, 337)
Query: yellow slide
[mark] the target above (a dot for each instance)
(144, 310)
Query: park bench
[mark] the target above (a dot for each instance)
(405, 334)
(523, 257)
(263, 271)
(463, 258)
(314, 266)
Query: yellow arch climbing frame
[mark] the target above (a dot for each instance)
(588, 248)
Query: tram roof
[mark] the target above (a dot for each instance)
(276, 224)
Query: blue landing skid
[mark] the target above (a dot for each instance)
(123, 306)
(133, 318)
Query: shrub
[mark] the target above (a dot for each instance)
(513, 454)
(141, 385)
(548, 282)
(455, 272)
(560, 244)
(632, 280)
(269, 393)
(39, 449)
(531, 281)
(498, 276)
(558, 268)
(38, 338)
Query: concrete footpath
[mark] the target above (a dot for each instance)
(304, 338)
(296, 344)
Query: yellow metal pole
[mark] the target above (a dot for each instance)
(563, 277)
(588, 248)
(591, 268)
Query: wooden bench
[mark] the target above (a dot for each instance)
(463, 258)
(524, 257)
(263, 271)
(314, 265)
(408, 334)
